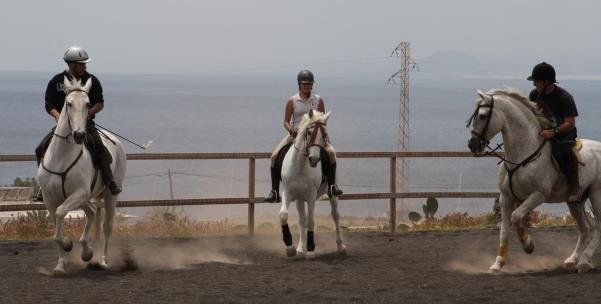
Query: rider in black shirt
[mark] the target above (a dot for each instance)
(76, 58)
(559, 107)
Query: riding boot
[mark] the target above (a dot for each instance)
(40, 150)
(107, 175)
(573, 183)
(38, 196)
(333, 189)
(274, 194)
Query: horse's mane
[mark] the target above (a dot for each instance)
(515, 94)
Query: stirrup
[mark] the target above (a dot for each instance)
(114, 188)
(333, 190)
(39, 197)
(574, 196)
(273, 197)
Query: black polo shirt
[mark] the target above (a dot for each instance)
(557, 105)
(55, 95)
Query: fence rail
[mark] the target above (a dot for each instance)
(251, 200)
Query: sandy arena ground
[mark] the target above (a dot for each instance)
(428, 267)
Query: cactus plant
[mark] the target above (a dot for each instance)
(430, 207)
(414, 217)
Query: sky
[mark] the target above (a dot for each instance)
(276, 36)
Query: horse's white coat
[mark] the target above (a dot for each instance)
(61, 154)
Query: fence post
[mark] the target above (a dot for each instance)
(392, 208)
(251, 196)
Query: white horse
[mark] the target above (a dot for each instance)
(302, 182)
(527, 176)
(68, 178)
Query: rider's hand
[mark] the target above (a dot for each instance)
(547, 134)
(293, 132)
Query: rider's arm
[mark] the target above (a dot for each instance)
(97, 107)
(321, 106)
(568, 124)
(288, 117)
(50, 99)
(54, 113)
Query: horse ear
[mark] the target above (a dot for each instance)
(88, 85)
(481, 94)
(67, 85)
(327, 115)
(311, 113)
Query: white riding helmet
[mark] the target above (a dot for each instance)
(76, 54)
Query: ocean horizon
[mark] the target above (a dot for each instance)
(195, 113)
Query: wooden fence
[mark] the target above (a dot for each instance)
(392, 195)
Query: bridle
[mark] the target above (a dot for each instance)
(311, 141)
(70, 134)
(493, 151)
(480, 135)
(63, 175)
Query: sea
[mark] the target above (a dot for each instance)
(244, 113)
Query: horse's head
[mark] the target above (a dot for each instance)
(485, 123)
(76, 107)
(312, 135)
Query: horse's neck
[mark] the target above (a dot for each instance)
(299, 158)
(520, 133)
(60, 151)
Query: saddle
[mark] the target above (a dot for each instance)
(575, 150)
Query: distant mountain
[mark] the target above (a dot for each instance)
(451, 63)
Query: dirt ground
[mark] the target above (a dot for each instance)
(428, 267)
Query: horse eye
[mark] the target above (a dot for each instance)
(69, 104)
(482, 116)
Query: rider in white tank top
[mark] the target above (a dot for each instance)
(296, 107)
(301, 107)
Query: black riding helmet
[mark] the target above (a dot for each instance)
(543, 71)
(305, 76)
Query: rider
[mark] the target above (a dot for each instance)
(559, 107)
(296, 107)
(76, 59)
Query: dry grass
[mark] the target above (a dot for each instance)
(168, 222)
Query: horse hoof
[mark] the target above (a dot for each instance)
(103, 263)
(290, 251)
(310, 255)
(495, 268)
(342, 249)
(570, 265)
(86, 255)
(58, 271)
(67, 244)
(584, 267)
(529, 248)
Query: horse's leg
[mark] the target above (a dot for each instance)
(302, 223)
(110, 203)
(577, 212)
(531, 202)
(585, 261)
(506, 204)
(336, 218)
(527, 243)
(64, 243)
(311, 230)
(287, 236)
(60, 264)
(86, 251)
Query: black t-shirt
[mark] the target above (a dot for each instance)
(556, 106)
(55, 95)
